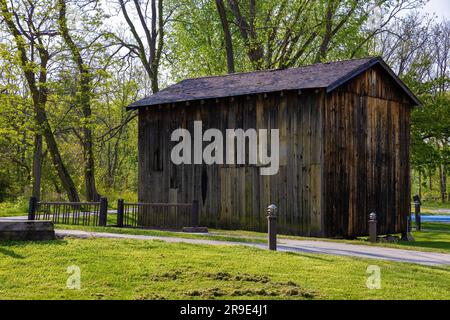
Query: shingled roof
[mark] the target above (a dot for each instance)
(328, 76)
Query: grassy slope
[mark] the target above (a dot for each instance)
(133, 269)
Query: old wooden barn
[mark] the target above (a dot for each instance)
(344, 148)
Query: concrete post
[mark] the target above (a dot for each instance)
(373, 227)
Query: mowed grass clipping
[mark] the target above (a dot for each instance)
(134, 269)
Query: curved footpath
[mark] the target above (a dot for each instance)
(308, 246)
(303, 246)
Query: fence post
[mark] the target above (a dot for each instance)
(120, 212)
(373, 227)
(32, 208)
(194, 214)
(103, 212)
(272, 226)
(417, 204)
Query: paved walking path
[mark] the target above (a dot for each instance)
(308, 246)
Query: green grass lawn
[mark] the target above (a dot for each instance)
(436, 226)
(233, 237)
(436, 236)
(9, 209)
(135, 269)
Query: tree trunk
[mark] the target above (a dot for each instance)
(84, 102)
(58, 163)
(443, 182)
(88, 152)
(255, 51)
(37, 167)
(227, 35)
(89, 167)
(420, 184)
(39, 92)
(430, 180)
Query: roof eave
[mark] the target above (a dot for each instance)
(136, 105)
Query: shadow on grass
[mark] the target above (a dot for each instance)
(10, 253)
(428, 244)
(308, 256)
(11, 243)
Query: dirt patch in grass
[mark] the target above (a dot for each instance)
(149, 296)
(243, 285)
(171, 275)
(225, 276)
(209, 293)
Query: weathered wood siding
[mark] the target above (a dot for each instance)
(366, 156)
(236, 196)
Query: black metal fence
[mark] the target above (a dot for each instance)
(170, 216)
(74, 213)
(157, 215)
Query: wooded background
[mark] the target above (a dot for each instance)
(68, 69)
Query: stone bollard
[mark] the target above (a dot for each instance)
(272, 226)
(373, 227)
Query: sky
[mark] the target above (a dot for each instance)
(440, 7)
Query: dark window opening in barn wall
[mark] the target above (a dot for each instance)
(344, 148)
(157, 160)
(204, 184)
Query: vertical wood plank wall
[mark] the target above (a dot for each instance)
(236, 196)
(366, 157)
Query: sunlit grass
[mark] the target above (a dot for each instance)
(18, 208)
(135, 269)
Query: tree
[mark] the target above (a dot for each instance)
(227, 35)
(34, 56)
(84, 101)
(417, 48)
(152, 21)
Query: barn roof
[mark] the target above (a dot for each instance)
(328, 76)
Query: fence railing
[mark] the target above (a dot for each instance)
(157, 215)
(170, 216)
(74, 213)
